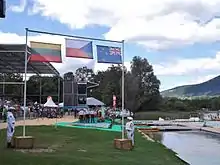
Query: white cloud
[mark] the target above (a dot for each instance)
(102, 66)
(175, 67)
(188, 66)
(19, 8)
(167, 84)
(158, 24)
(198, 80)
(202, 79)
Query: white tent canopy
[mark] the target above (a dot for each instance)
(90, 101)
(50, 103)
(93, 101)
(60, 104)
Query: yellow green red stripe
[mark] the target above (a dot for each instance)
(45, 52)
(45, 45)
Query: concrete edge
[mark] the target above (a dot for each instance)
(146, 136)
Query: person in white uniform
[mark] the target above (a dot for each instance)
(87, 115)
(92, 115)
(81, 115)
(130, 129)
(10, 127)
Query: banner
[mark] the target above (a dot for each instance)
(45, 52)
(106, 54)
(79, 48)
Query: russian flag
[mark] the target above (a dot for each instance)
(79, 48)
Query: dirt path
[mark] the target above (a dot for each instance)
(40, 121)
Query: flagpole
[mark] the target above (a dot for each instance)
(25, 79)
(72, 36)
(122, 90)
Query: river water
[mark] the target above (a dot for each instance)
(196, 148)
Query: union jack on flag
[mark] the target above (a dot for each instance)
(108, 54)
(115, 51)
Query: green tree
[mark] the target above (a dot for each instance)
(215, 103)
(11, 90)
(87, 72)
(148, 97)
(109, 85)
(131, 92)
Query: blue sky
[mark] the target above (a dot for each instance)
(181, 43)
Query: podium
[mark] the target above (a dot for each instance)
(123, 144)
(23, 142)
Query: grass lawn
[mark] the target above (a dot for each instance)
(74, 146)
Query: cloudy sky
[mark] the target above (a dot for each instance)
(180, 38)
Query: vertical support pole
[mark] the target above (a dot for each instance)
(22, 90)
(63, 92)
(58, 97)
(40, 89)
(58, 90)
(25, 79)
(122, 90)
(3, 87)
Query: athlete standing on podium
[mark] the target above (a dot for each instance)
(130, 129)
(10, 127)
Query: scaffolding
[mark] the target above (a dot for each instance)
(12, 60)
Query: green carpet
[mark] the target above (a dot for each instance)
(115, 128)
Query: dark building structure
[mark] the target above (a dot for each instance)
(75, 92)
(2, 8)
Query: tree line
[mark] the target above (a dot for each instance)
(141, 89)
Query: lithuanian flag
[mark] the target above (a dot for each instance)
(45, 52)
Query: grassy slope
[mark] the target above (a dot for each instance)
(176, 92)
(208, 88)
(98, 146)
